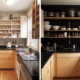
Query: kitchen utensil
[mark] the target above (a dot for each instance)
(72, 13)
(46, 22)
(55, 46)
(62, 14)
(55, 27)
(65, 34)
(47, 27)
(50, 14)
(9, 44)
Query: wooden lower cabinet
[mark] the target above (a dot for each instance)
(46, 74)
(6, 63)
(52, 67)
(6, 59)
(67, 67)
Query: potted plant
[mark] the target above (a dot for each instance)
(30, 49)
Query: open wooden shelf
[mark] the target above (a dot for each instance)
(62, 37)
(61, 30)
(35, 20)
(63, 18)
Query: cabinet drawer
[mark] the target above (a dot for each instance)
(45, 67)
(3, 55)
(5, 63)
(6, 51)
(68, 54)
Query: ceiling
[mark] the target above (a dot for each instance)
(60, 2)
(17, 6)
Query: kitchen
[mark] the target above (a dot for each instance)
(60, 40)
(19, 39)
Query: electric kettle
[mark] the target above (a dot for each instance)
(9, 44)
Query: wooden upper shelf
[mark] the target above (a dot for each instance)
(61, 18)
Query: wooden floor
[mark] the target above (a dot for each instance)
(8, 75)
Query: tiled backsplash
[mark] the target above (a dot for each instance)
(19, 40)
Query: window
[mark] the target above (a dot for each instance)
(29, 30)
(34, 42)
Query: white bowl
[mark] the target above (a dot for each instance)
(55, 27)
(47, 27)
(74, 28)
(68, 28)
(63, 28)
(46, 22)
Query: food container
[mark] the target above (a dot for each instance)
(65, 34)
(78, 13)
(57, 14)
(50, 14)
(45, 14)
(62, 14)
(72, 13)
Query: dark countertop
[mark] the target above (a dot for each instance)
(45, 55)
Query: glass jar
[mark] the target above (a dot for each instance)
(57, 14)
(62, 14)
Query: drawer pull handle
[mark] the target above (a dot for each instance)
(47, 71)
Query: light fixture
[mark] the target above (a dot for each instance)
(10, 2)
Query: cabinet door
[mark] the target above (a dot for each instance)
(23, 26)
(6, 63)
(42, 23)
(68, 67)
(52, 67)
(46, 74)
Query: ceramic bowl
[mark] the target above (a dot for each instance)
(47, 27)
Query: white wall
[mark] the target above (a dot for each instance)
(15, 14)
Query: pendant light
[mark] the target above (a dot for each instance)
(10, 2)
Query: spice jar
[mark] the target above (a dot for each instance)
(62, 14)
(57, 14)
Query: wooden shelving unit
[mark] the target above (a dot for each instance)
(35, 20)
(63, 37)
(61, 30)
(9, 27)
(62, 18)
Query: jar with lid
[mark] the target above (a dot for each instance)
(62, 14)
(45, 13)
(57, 14)
(50, 14)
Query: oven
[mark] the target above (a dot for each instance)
(29, 70)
